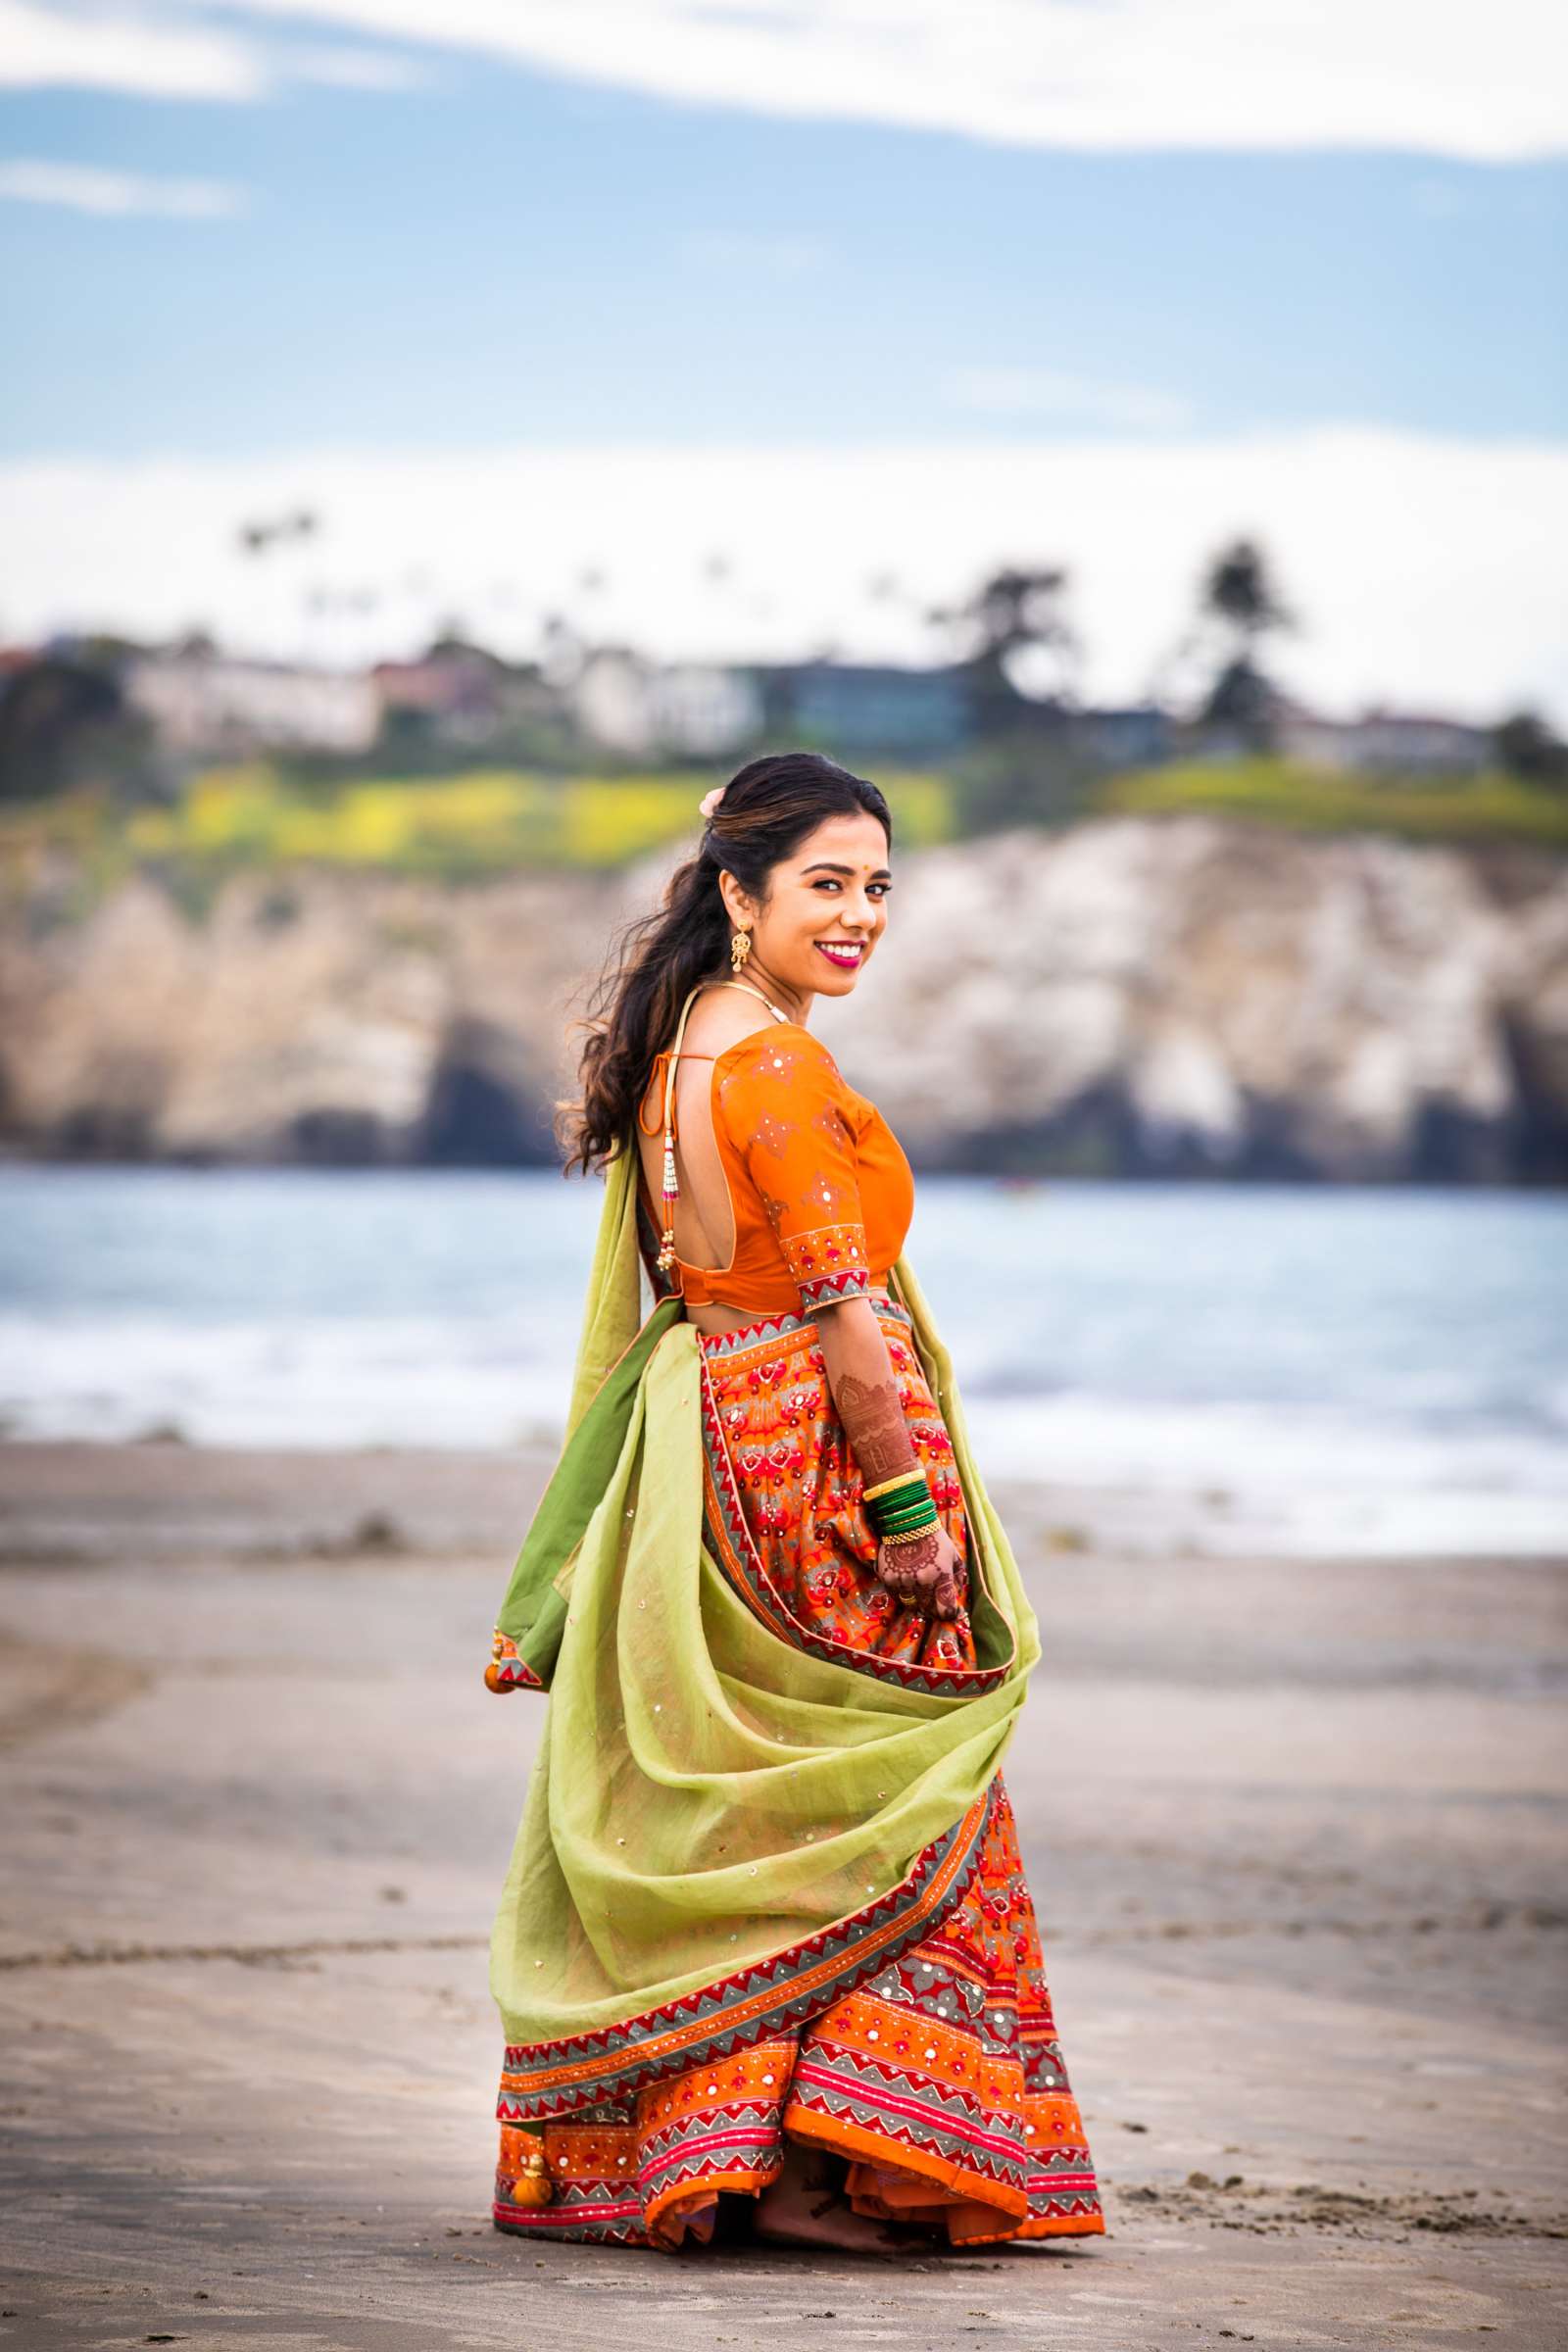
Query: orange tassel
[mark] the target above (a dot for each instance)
(534, 2185)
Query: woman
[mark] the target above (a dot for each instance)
(765, 1938)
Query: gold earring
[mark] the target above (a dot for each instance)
(740, 947)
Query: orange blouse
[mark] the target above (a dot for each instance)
(820, 1190)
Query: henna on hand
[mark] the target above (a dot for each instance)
(924, 1575)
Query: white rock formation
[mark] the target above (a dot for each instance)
(1134, 995)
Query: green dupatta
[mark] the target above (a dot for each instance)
(709, 1800)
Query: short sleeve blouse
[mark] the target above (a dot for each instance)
(820, 1190)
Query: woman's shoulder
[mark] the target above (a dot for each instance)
(781, 1050)
(777, 1078)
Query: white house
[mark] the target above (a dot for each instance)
(207, 703)
(641, 708)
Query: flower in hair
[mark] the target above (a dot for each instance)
(711, 800)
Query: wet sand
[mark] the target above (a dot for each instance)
(1295, 1830)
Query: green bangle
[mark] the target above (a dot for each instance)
(894, 1523)
(907, 1499)
(920, 1518)
(901, 1500)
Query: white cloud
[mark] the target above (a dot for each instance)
(163, 49)
(1425, 570)
(153, 53)
(85, 188)
(1118, 74)
(1054, 392)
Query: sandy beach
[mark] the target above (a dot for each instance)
(1295, 1832)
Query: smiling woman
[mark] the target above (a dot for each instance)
(767, 1956)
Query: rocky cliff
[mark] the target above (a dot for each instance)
(1131, 996)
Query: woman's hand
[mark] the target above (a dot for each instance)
(927, 1576)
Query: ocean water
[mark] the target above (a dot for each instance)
(1314, 1370)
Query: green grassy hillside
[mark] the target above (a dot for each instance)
(1494, 807)
(474, 823)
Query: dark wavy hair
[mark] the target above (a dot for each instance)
(768, 809)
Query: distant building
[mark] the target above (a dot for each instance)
(208, 705)
(642, 710)
(455, 694)
(1141, 736)
(849, 710)
(1395, 740)
(1385, 743)
(848, 706)
(706, 710)
(1301, 735)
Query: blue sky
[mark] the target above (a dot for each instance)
(510, 292)
(505, 253)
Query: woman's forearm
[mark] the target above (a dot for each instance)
(860, 1374)
(924, 1571)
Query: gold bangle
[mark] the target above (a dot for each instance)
(905, 1478)
(915, 1535)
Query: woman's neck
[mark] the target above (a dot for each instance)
(795, 1001)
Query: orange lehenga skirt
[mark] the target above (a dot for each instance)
(938, 2078)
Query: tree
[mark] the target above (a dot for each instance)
(1018, 639)
(255, 538)
(64, 722)
(1239, 608)
(1529, 749)
(1238, 591)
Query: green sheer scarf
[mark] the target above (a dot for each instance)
(706, 1795)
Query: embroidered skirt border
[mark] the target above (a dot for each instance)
(549, 2078)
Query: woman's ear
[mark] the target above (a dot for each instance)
(737, 905)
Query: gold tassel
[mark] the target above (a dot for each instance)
(667, 1253)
